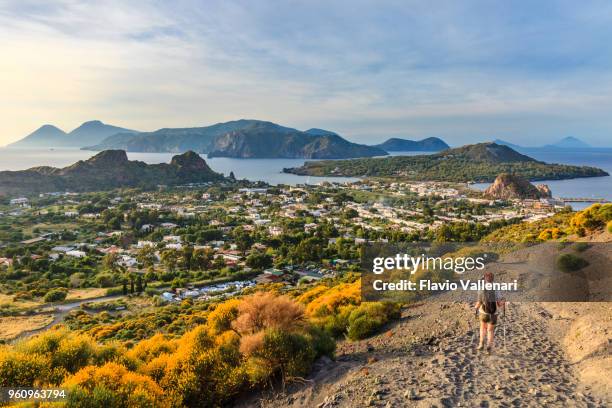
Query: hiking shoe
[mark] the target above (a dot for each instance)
(480, 346)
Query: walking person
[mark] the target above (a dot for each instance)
(487, 307)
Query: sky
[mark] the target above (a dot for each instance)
(530, 72)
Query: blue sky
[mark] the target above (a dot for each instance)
(529, 72)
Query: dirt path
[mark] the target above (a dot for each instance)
(430, 359)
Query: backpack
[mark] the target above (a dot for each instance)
(489, 307)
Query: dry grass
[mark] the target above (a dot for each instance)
(22, 304)
(45, 227)
(12, 327)
(80, 294)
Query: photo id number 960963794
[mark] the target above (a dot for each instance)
(22, 394)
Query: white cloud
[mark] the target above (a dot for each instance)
(461, 71)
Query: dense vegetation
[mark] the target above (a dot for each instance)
(141, 349)
(473, 163)
(237, 345)
(590, 220)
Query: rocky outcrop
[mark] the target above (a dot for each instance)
(108, 170)
(544, 190)
(509, 186)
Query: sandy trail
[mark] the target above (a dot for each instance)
(430, 359)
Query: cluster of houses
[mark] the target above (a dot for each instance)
(207, 292)
(265, 211)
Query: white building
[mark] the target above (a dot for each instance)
(142, 244)
(22, 201)
(76, 253)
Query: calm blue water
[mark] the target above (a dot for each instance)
(270, 170)
(595, 187)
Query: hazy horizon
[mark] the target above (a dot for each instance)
(528, 73)
(373, 141)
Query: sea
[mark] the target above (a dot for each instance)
(270, 170)
(591, 187)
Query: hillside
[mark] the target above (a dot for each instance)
(471, 163)
(261, 140)
(429, 359)
(88, 133)
(431, 144)
(242, 139)
(107, 170)
(506, 143)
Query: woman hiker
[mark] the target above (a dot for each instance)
(487, 306)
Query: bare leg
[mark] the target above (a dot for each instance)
(483, 331)
(491, 335)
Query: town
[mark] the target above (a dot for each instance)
(178, 240)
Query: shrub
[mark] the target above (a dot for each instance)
(112, 385)
(250, 343)
(221, 318)
(312, 294)
(361, 327)
(73, 352)
(244, 342)
(330, 301)
(369, 317)
(105, 280)
(55, 295)
(550, 233)
(581, 246)
(18, 369)
(114, 291)
(570, 263)
(264, 310)
(148, 349)
(203, 371)
(592, 218)
(289, 354)
(322, 343)
(69, 351)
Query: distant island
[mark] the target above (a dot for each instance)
(243, 139)
(91, 132)
(430, 144)
(481, 162)
(569, 142)
(107, 170)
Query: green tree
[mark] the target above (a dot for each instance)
(259, 260)
(146, 256)
(169, 258)
(139, 287)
